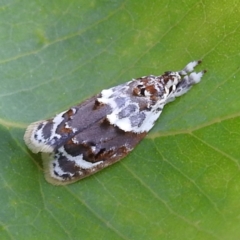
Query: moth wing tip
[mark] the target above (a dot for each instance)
(50, 179)
(28, 137)
(49, 172)
(54, 181)
(31, 143)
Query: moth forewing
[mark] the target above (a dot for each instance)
(105, 128)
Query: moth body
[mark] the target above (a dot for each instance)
(105, 128)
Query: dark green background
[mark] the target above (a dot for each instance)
(183, 180)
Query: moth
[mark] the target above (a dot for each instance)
(103, 129)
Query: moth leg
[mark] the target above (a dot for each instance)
(187, 83)
(188, 78)
(189, 67)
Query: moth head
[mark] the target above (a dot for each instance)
(171, 79)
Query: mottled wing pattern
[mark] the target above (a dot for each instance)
(102, 130)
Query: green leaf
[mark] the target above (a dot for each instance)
(183, 180)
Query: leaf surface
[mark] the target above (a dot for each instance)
(183, 180)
